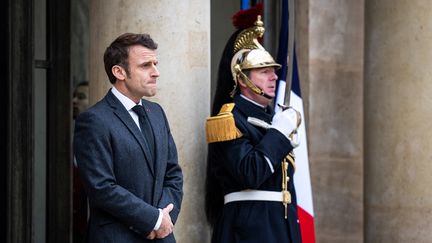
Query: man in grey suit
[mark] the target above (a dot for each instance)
(125, 152)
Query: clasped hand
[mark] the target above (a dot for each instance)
(166, 226)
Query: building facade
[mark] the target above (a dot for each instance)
(365, 78)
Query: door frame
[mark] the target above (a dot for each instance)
(19, 121)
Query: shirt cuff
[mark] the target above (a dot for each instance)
(269, 163)
(159, 221)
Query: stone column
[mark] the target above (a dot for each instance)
(335, 122)
(398, 130)
(182, 30)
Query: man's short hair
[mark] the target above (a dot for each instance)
(117, 52)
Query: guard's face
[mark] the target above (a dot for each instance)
(265, 79)
(143, 73)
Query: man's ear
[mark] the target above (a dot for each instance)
(240, 81)
(119, 72)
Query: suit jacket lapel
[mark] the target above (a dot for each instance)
(161, 140)
(120, 111)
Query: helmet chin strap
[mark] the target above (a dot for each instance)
(253, 87)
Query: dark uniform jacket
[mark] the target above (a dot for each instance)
(239, 164)
(124, 184)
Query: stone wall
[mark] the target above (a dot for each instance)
(398, 134)
(335, 117)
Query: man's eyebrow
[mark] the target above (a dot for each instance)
(149, 62)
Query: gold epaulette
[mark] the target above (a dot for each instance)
(222, 126)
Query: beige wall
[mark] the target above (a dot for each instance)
(182, 30)
(335, 111)
(370, 134)
(398, 130)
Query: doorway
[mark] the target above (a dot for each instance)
(37, 123)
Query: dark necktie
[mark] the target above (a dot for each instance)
(145, 126)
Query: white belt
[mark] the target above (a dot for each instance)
(253, 195)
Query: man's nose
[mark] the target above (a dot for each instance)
(156, 72)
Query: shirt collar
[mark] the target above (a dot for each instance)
(126, 102)
(252, 101)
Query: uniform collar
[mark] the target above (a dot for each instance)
(253, 109)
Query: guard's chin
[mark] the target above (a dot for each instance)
(271, 95)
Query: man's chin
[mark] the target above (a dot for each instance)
(150, 94)
(75, 112)
(272, 95)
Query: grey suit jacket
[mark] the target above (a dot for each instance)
(124, 185)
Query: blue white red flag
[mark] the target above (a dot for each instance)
(244, 4)
(302, 180)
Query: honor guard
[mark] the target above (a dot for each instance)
(250, 194)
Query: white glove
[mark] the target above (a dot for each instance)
(285, 122)
(294, 139)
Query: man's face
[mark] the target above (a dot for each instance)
(265, 79)
(80, 100)
(143, 73)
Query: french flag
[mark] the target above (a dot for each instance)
(302, 181)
